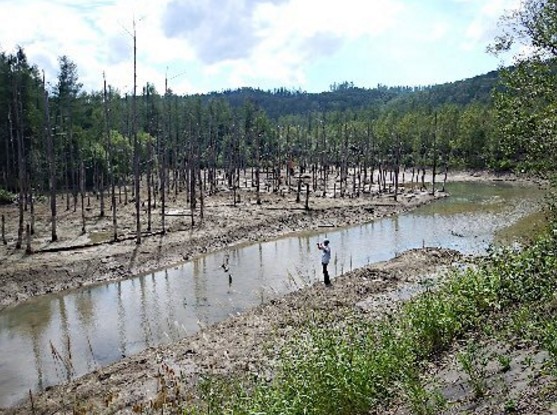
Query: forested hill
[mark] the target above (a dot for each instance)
(346, 96)
(478, 89)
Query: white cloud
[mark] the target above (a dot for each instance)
(350, 19)
(483, 27)
(293, 33)
(231, 43)
(96, 35)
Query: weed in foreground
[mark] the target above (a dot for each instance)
(473, 364)
(422, 401)
(505, 362)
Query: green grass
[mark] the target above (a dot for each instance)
(522, 230)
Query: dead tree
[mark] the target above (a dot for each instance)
(4, 241)
(51, 165)
(136, 172)
(82, 194)
(109, 161)
(434, 164)
(28, 248)
(17, 110)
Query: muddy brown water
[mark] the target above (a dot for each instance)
(54, 338)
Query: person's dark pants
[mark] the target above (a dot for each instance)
(326, 274)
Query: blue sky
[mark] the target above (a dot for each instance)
(211, 45)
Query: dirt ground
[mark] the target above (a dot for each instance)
(236, 344)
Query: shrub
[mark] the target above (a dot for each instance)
(6, 197)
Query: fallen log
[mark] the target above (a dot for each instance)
(94, 244)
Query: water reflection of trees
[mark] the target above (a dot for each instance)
(31, 320)
(35, 315)
(121, 314)
(85, 307)
(200, 293)
(143, 314)
(66, 339)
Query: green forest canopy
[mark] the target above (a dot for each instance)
(500, 120)
(289, 122)
(62, 138)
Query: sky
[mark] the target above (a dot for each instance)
(201, 46)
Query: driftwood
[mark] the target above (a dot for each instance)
(93, 244)
(285, 209)
(178, 214)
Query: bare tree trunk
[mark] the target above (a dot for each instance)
(82, 193)
(66, 177)
(109, 163)
(9, 159)
(201, 201)
(434, 168)
(136, 143)
(18, 112)
(397, 169)
(31, 205)
(28, 248)
(163, 193)
(445, 176)
(113, 207)
(177, 165)
(149, 185)
(101, 191)
(163, 165)
(4, 241)
(51, 167)
(75, 172)
(258, 168)
(21, 200)
(192, 176)
(397, 164)
(344, 166)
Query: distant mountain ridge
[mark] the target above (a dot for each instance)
(345, 96)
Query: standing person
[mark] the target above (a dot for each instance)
(325, 258)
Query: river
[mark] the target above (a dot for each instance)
(55, 338)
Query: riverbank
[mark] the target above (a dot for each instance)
(239, 345)
(137, 380)
(77, 259)
(494, 348)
